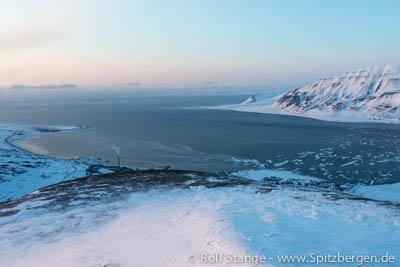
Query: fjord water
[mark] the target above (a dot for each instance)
(180, 132)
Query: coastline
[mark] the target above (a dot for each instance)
(30, 171)
(27, 151)
(35, 131)
(259, 108)
(23, 171)
(214, 212)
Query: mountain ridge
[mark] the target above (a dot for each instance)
(366, 94)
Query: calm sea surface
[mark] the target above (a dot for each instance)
(181, 133)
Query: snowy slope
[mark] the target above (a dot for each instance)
(367, 94)
(173, 226)
(390, 192)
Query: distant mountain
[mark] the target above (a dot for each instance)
(370, 94)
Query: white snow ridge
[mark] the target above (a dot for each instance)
(367, 94)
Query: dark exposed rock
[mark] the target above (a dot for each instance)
(117, 186)
(289, 100)
(337, 106)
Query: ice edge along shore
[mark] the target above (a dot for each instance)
(24, 171)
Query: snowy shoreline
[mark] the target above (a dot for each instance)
(258, 108)
(24, 136)
(23, 171)
(171, 217)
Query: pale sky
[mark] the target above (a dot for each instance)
(192, 43)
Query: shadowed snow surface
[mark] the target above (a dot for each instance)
(168, 218)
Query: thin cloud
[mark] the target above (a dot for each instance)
(133, 84)
(48, 86)
(30, 37)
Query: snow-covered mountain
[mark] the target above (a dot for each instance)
(367, 94)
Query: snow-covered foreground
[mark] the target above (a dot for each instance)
(22, 172)
(390, 192)
(179, 227)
